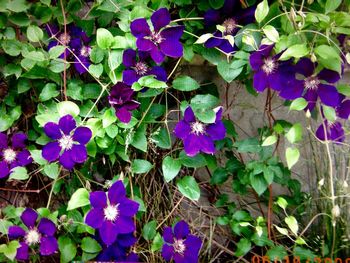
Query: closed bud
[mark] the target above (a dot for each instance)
(336, 211)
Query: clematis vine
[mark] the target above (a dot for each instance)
(35, 234)
(180, 245)
(229, 18)
(137, 67)
(312, 85)
(331, 131)
(121, 99)
(69, 145)
(198, 136)
(268, 71)
(112, 214)
(162, 40)
(77, 40)
(13, 153)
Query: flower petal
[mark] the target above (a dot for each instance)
(48, 246)
(207, 144)
(29, 217)
(181, 229)
(193, 244)
(160, 18)
(67, 124)
(305, 67)
(343, 111)
(16, 232)
(18, 140)
(129, 58)
(213, 42)
(159, 72)
(95, 218)
(24, 158)
(167, 252)
(145, 44)
(66, 160)
(329, 75)
(47, 227)
(293, 91)
(226, 46)
(140, 28)
(192, 145)
(108, 232)
(260, 81)
(52, 130)
(173, 33)
(98, 199)
(123, 115)
(328, 95)
(22, 252)
(189, 115)
(82, 135)
(51, 151)
(125, 224)
(182, 129)
(128, 207)
(116, 192)
(216, 131)
(3, 140)
(171, 48)
(4, 169)
(157, 55)
(256, 61)
(130, 76)
(82, 65)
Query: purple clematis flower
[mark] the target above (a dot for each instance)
(343, 109)
(161, 41)
(118, 251)
(112, 215)
(180, 245)
(198, 136)
(137, 67)
(121, 98)
(69, 142)
(268, 71)
(313, 86)
(13, 153)
(41, 234)
(330, 131)
(229, 16)
(77, 40)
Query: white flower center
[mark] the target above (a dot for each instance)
(64, 39)
(229, 25)
(32, 237)
(9, 155)
(179, 246)
(156, 38)
(197, 128)
(141, 68)
(311, 83)
(111, 212)
(269, 66)
(85, 51)
(66, 142)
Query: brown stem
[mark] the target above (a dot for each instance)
(64, 54)
(269, 212)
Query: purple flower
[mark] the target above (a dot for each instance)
(118, 251)
(312, 86)
(13, 154)
(112, 215)
(160, 41)
(121, 98)
(343, 109)
(198, 136)
(268, 71)
(69, 142)
(41, 234)
(229, 16)
(137, 67)
(180, 245)
(330, 131)
(77, 40)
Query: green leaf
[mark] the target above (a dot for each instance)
(23, 85)
(67, 248)
(148, 82)
(10, 250)
(292, 156)
(90, 245)
(295, 133)
(192, 162)
(68, 107)
(216, 4)
(96, 70)
(329, 113)
(243, 247)
(282, 230)
(272, 139)
(271, 33)
(250, 145)
(104, 38)
(292, 223)
(149, 230)
(108, 118)
(170, 167)
(219, 176)
(261, 11)
(49, 91)
(281, 202)
(332, 5)
(203, 38)
(51, 170)
(17, 5)
(139, 140)
(19, 173)
(258, 183)
(56, 51)
(35, 56)
(79, 198)
(157, 243)
(230, 71)
(276, 253)
(328, 57)
(34, 33)
(185, 83)
(189, 187)
(298, 104)
(295, 51)
(139, 166)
